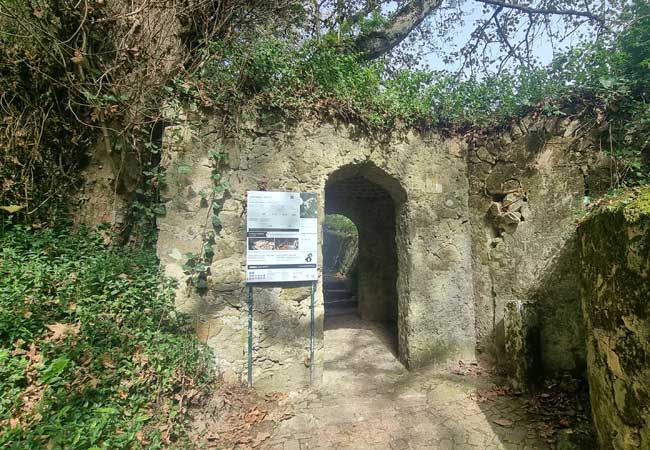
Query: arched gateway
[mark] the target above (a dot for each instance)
(373, 200)
(409, 200)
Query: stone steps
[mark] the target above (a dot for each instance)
(337, 295)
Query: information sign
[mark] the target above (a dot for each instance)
(282, 236)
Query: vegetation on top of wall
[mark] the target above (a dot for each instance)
(97, 74)
(604, 83)
(92, 352)
(633, 202)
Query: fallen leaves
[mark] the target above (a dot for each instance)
(255, 415)
(503, 422)
(33, 354)
(108, 362)
(488, 395)
(559, 409)
(61, 330)
(237, 417)
(463, 368)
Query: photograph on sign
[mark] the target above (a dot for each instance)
(282, 235)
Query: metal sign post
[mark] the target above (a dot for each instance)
(250, 334)
(281, 246)
(311, 335)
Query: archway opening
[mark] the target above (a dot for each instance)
(367, 287)
(340, 269)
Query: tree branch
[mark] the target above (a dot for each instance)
(371, 5)
(377, 43)
(546, 11)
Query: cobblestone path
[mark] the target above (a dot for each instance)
(369, 401)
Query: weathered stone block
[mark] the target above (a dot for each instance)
(615, 294)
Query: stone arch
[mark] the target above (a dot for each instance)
(374, 200)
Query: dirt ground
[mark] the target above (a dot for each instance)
(368, 400)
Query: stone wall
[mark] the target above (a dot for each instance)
(426, 178)
(340, 252)
(527, 186)
(615, 261)
(480, 251)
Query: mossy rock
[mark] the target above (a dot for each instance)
(634, 203)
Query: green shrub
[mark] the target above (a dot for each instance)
(340, 224)
(91, 348)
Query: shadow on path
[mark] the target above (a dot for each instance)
(368, 400)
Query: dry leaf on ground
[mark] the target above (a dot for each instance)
(60, 330)
(503, 422)
(255, 415)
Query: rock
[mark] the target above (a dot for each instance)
(295, 294)
(571, 128)
(495, 209)
(484, 155)
(513, 201)
(502, 180)
(508, 221)
(226, 274)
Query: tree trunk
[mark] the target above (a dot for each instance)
(379, 42)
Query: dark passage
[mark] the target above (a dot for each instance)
(366, 287)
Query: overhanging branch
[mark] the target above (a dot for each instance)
(377, 43)
(546, 11)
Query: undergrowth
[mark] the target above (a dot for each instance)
(92, 352)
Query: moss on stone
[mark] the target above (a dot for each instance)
(634, 203)
(639, 206)
(615, 269)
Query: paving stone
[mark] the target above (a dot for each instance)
(292, 445)
(368, 400)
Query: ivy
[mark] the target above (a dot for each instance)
(92, 352)
(197, 266)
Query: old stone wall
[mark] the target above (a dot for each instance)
(340, 252)
(527, 187)
(615, 269)
(469, 244)
(426, 179)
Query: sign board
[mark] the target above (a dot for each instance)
(281, 236)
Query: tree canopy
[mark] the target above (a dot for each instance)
(503, 31)
(76, 74)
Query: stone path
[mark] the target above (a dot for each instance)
(369, 401)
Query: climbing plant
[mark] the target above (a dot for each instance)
(197, 266)
(81, 77)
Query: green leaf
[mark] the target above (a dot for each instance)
(216, 222)
(55, 368)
